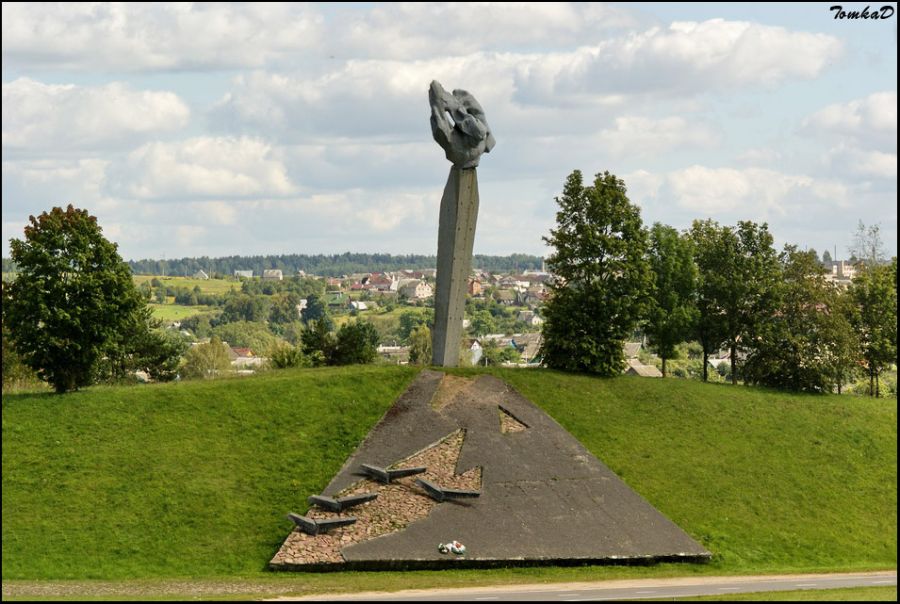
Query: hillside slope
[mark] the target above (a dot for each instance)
(194, 479)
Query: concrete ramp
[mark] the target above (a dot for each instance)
(544, 498)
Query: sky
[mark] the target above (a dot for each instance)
(249, 129)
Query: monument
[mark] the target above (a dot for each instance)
(460, 128)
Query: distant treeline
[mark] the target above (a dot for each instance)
(333, 265)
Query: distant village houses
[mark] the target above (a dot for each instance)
(272, 274)
(415, 289)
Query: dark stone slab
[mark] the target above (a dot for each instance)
(339, 505)
(313, 526)
(439, 493)
(387, 476)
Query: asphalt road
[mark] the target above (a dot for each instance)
(629, 589)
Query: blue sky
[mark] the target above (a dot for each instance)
(221, 129)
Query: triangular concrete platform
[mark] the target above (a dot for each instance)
(545, 499)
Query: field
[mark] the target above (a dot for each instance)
(192, 480)
(176, 312)
(207, 286)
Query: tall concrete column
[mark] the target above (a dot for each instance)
(460, 128)
(456, 236)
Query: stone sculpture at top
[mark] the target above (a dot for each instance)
(459, 126)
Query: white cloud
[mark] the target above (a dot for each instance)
(637, 136)
(729, 195)
(202, 167)
(854, 163)
(57, 117)
(387, 98)
(136, 36)
(871, 121)
(730, 192)
(431, 29)
(685, 58)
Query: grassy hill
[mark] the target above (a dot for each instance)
(194, 479)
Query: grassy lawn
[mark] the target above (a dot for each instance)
(176, 312)
(186, 479)
(192, 480)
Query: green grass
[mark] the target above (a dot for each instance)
(207, 286)
(193, 479)
(767, 481)
(176, 312)
(844, 594)
(189, 479)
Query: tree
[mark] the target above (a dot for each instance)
(315, 310)
(867, 246)
(357, 342)
(245, 334)
(420, 345)
(826, 258)
(672, 309)
(803, 345)
(874, 292)
(283, 309)
(318, 343)
(72, 299)
(739, 274)
(206, 360)
(709, 327)
(602, 276)
(284, 355)
(409, 321)
(245, 307)
(493, 354)
(482, 323)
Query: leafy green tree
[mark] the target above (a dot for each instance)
(206, 360)
(318, 343)
(739, 273)
(15, 373)
(874, 291)
(72, 297)
(409, 321)
(482, 323)
(843, 353)
(492, 354)
(672, 309)
(420, 345)
(246, 334)
(357, 342)
(316, 310)
(283, 308)
(798, 345)
(245, 307)
(603, 276)
(709, 328)
(284, 355)
(826, 257)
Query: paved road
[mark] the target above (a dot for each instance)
(629, 589)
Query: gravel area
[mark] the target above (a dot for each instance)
(398, 505)
(508, 423)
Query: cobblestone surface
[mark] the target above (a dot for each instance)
(398, 505)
